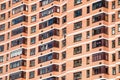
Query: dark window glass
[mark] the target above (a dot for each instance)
(78, 25)
(78, 13)
(77, 50)
(77, 75)
(76, 2)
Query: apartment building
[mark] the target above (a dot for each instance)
(59, 39)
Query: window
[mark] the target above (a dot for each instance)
(87, 60)
(49, 34)
(2, 37)
(3, 6)
(113, 57)
(48, 69)
(97, 5)
(9, 4)
(32, 63)
(48, 57)
(64, 19)
(78, 13)
(77, 50)
(2, 16)
(45, 2)
(78, 25)
(64, 43)
(64, 67)
(113, 17)
(77, 2)
(118, 54)
(48, 46)
(78, 37)
(100, 70)
(33, 40)
(114, 71)
(1, 48)
(100, 4)
(8, 46)
(2, 27)
(15, 1)
(99, 17)
(17, 52)
(7, 57)
(31, 74)
(118, 27)
(64, 31)
(77, 76)
(118, 2)
(6, 68)
(33, 29)
(77, 63)
(118, 40)
(64, 55)
(64, 7)
(88, 22)
(33, 7)
(119, 68)
(99, 43)
(87, 34)
(32, 51)
(49, 11)
(18, 42)
(9, 24)
(9, 14)
(88, 9)
(33, 18)
(49, 22)
(17, 64)
(100, 56)
(18, 9)
(17, 75)
(113, 4)
(88, 73)
(19, 20)
(113, 30)
(19, 31)
(118, 14)
(113, 43)
(1, 69)
(1, 59)
(99, 30)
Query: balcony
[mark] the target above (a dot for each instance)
(48, 57)
(48, 69)
(49, 22)
(17, 75)
(100, 43)
(48, 46)
(99, 30)
(49, 34)
(100, 70)
(100, 56)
